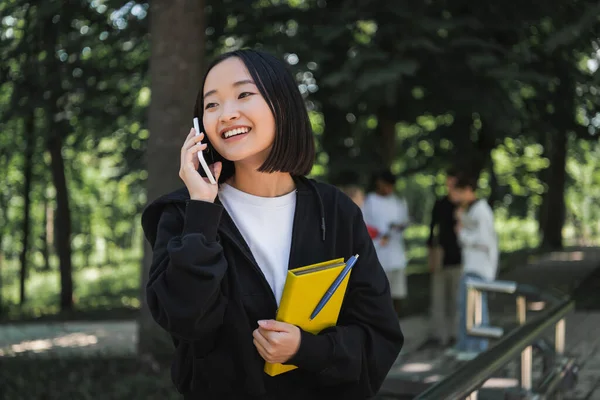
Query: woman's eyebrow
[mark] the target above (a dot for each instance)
(238, 83)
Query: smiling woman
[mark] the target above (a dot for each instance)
(254, 87)
(237, 119)
(221, 252)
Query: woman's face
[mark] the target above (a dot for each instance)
(237, 119)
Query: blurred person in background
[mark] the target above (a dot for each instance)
(387, 216)
(478, 240)
(444, 258)
(356, 194)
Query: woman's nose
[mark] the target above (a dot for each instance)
(230, 112)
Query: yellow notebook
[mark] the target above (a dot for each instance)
(304, 288)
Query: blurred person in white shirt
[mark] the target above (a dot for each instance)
(479, 244)
(387, 214)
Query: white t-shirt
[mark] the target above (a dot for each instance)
(380, 212)
(266, 225)
(479, 241)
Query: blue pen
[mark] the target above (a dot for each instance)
(334, 286)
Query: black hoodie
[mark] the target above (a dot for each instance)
(206, 290)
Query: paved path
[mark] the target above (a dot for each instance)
(69, 338)
(583, 342)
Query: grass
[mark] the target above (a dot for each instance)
(106, 292)
(97, 378)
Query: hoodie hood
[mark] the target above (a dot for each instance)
(151, 214)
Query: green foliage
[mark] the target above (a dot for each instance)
(584, 197)
(98, 378)
(103, 287)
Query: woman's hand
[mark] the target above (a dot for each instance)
(276, 341)
(199, 187)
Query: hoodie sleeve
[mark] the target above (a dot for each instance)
(364, 345)
(184, 289)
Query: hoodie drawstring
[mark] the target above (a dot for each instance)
(321, 208)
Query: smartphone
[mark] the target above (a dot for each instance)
(209, 174)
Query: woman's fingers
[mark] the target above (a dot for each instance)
(261, 350)
(192, 141)
(264, 343)
(196, 148)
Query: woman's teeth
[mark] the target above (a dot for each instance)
(233, 132)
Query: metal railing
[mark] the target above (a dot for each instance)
(465, 382)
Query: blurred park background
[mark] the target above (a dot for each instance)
(96, 97)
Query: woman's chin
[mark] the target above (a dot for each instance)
(246, 155)
(246, 159)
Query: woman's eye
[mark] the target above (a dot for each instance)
(210, 105)
(245, 94)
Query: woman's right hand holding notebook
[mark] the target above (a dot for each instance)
(276, 341)
(199, 187)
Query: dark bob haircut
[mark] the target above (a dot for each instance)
(293, 150)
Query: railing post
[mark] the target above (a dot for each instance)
(470, 307)
(559, 345)
(521, 310)
(526, 364)
(526, 368)
(478, 307)
(472, 396)
(474, 307)
(559, 340)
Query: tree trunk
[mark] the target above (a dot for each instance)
(333, 143)
(386, 133)
(88, 246)
(27, 178)
(544, 177)
(494, 185)
(47, 232)
(1, 281)
(63, 222)
(4, 196)
(176, 56)
(560, 122)
(554, 200)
